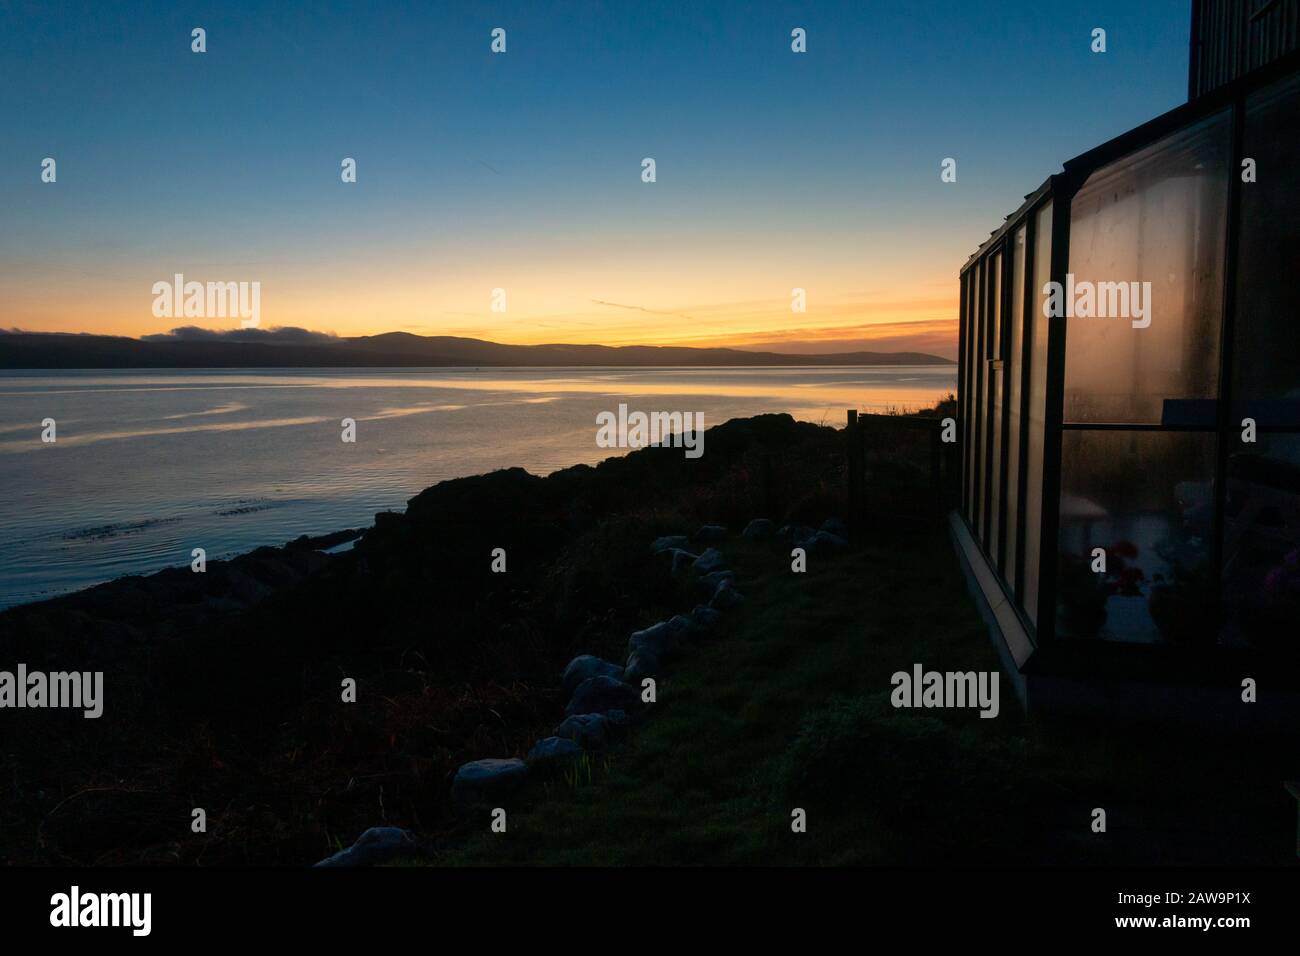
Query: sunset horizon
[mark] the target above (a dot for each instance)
(368, 188)
(932, 337)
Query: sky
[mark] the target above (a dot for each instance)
(522, 171)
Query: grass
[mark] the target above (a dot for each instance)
(789, 708)
(708, 779)
(239, 711)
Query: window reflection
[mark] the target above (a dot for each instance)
(1037, 409)
(1155, 217)
(996, 385)
(1015, 328)
(1147, 499)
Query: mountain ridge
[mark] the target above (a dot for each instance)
(296, 348)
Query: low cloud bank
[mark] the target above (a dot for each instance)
(281, 335)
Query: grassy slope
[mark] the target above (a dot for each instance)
(703, 780)
(713, 775)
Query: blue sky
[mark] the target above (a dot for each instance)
(522, 170)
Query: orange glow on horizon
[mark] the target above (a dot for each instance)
(920, 322)
(682, 296)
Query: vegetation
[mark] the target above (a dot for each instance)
(790, 709)
(223, 689)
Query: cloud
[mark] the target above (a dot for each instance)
(641, 308)
(936, 336)
(279, 335)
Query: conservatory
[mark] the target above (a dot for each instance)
(1129, 409)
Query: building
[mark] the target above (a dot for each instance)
(1232, 37)
(1129, 400)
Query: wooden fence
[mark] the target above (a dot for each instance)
(889, 457)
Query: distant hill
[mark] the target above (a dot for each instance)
(296, 348)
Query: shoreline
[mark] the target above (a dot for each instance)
(67, 541)
(226, 684)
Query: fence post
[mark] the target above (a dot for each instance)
(769, 497)
(853, 435)
(936, 459)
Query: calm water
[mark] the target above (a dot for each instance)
(149, 465)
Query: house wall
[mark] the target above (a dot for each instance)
(1232, 37)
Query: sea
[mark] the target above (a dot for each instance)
(146, 465)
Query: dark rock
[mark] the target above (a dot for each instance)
(681, 559)
(553, 749)
(836, 527)
(486, 779)
(323, 542)
(585, 666)
(642, 663)
(710, 561)
(823, 542)
(709, 583)
(662, 638)
(758, 529)
(686, 627)
(598, 695)
(670, 542)
(589, 731)
(376, 845)
(706, 617)
(794, 533)
(711, 534)
(246, 588)
(726, 597)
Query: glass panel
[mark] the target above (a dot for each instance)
(968, 422)
(995, 479)
(1266, 356)
(1015, 322)
(981, 402)
(963, 388)
(1143, 308)
(995, 305)
(1261, 560)
(1037, 409)
(972, 417)
(1147, 499)
(995, 406)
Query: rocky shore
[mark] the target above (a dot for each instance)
(227, 690)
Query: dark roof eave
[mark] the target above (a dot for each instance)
(1032, 201)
